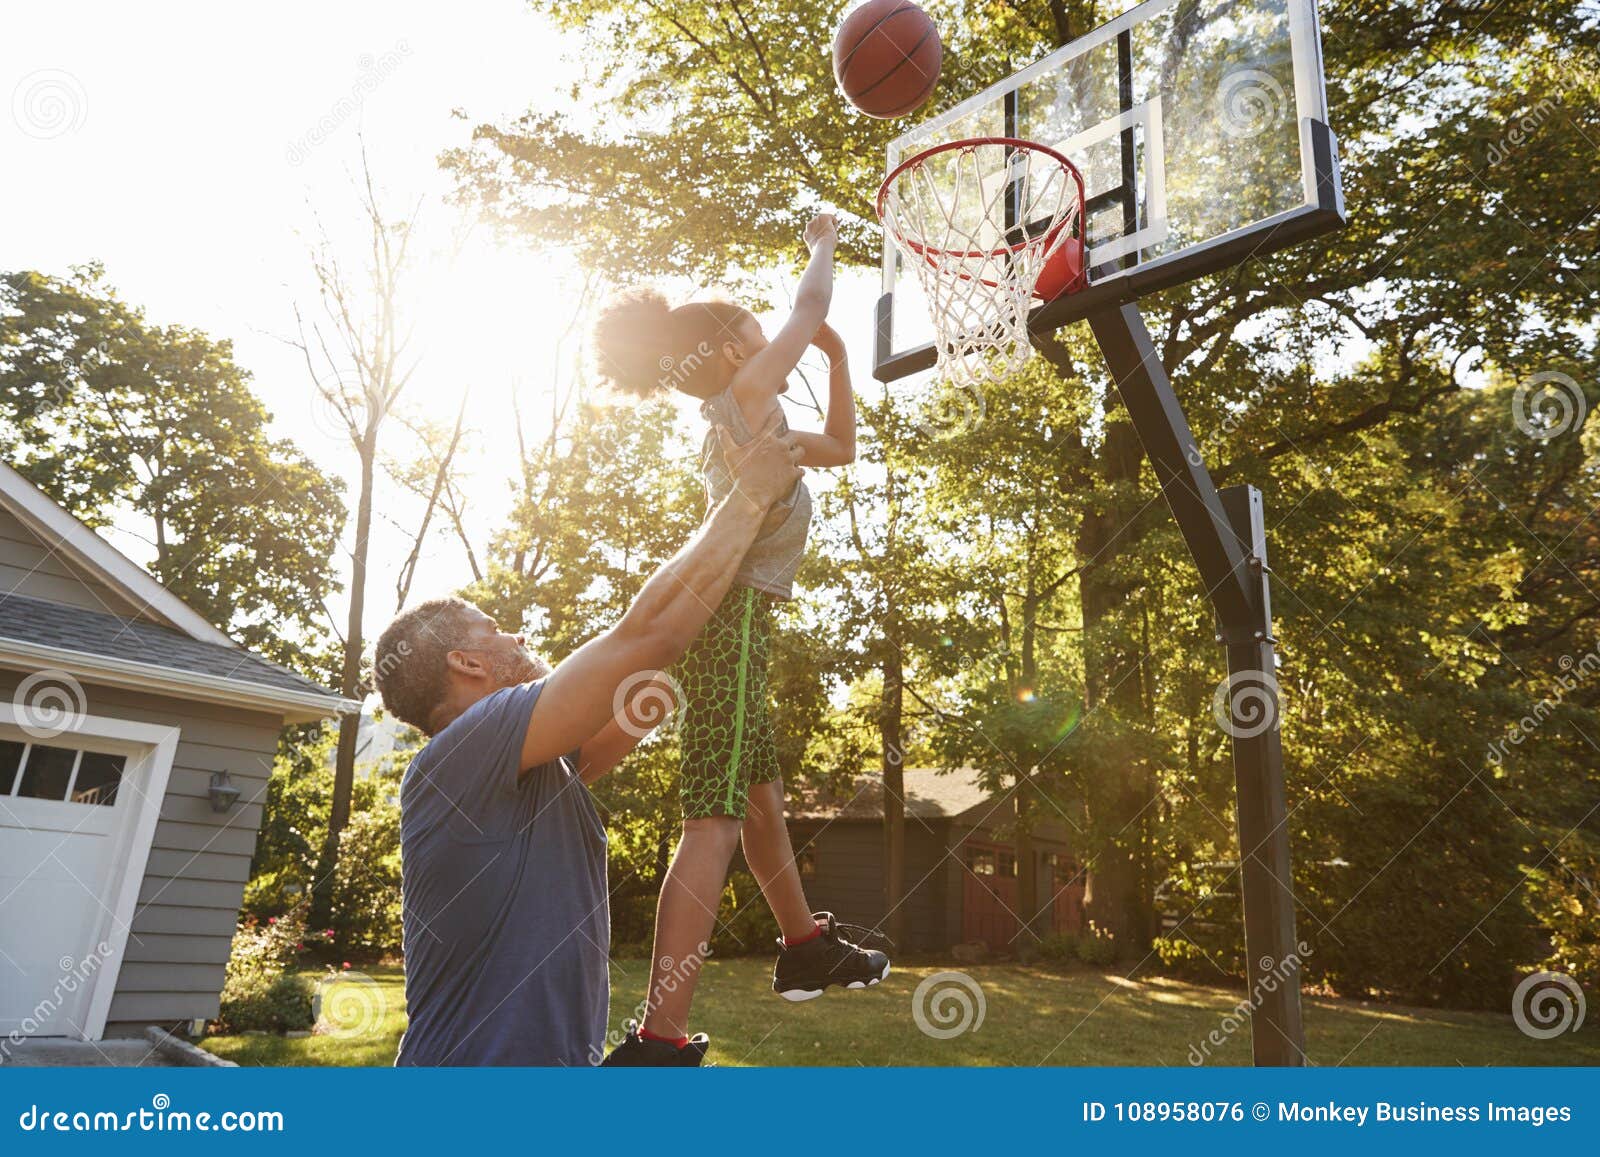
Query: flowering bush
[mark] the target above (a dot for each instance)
(261, 989)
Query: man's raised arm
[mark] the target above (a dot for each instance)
(579, 696)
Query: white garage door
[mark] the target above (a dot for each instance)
(63, 812)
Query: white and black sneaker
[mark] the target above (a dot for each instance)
(638, 1052)
(804, 970)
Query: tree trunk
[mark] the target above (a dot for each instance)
(894, 782)
(1027, 857)
(344, 767)
(1027, 878)
(1115, 898)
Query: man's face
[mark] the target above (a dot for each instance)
(505, 655)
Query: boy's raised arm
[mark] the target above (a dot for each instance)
(811, 302)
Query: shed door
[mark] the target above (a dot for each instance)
(989, 902)
(60, 814)
(1065, 876)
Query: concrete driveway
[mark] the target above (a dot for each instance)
(55, 1052)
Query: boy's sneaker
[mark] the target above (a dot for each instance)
(637, 1052)
(804, 970)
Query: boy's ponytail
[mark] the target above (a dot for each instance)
(643, 346)
(633, 340)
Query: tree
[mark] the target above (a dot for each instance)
(156, 429)
(871, 576)
(356, 356)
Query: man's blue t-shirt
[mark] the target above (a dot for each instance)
(507, 919)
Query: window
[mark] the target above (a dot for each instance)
(98, 777)
(805, 860)
(46, 771)
(68, 774)
(10, 763)
(1064, 867)
(1008, 865)
(981, 862)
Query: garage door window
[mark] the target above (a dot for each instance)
(69, 774)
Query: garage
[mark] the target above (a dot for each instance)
(76, 818)
(135, 744)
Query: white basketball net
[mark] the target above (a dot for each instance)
(947, 215)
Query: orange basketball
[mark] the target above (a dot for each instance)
(886, 57)
(1062, 272)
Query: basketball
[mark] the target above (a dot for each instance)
(886, 57)
(1062, 272)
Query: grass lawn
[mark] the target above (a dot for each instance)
(1031, 1016)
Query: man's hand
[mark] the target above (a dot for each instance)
(765, 468)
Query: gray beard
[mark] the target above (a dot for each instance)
(519, 668)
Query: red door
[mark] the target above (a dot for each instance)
(989, 902)
(1066, 909)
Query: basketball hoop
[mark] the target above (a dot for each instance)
(989, 224)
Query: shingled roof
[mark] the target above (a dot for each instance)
(37, 623)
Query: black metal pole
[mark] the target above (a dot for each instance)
(1226, 534)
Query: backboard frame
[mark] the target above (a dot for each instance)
(1321, 211)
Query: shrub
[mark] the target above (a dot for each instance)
(261, 990)
(745, 925)
(1564, 897)
(1183, 957)
(366, 884)
(365, 916)
(1096, 945)
(1059, 947)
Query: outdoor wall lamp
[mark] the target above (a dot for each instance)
(223, 794)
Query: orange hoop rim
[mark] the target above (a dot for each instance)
(916, 159)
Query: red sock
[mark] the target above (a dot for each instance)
(815, 932)
(676, 1042)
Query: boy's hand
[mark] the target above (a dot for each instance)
(823, 229)
(827, 340)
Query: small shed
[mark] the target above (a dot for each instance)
(135, 743)
(961, 860)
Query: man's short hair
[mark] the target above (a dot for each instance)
(408, 663)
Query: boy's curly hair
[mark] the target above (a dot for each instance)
(642, 346)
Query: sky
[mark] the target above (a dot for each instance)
(196, 150)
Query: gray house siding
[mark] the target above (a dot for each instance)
(182, 930)
(28, 567)
(848, 876)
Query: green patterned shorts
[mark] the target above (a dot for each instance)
(726, 741)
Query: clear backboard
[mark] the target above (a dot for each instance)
(1200, 130)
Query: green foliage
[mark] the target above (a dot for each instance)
(1094, 946)
(1181, 957)
(366, 883)
(113, 417)
(365, 918)
(1058, 947)
(262, 990)
(745, 925)
(1097, 946)
(1568, 901)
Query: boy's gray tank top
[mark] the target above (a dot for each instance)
(775, 555)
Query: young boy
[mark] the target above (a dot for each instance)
(729, 782)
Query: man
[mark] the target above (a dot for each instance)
(506, 918)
